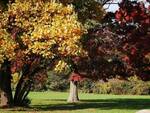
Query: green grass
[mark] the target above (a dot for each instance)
(55, 102)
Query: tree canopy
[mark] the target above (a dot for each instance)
(37, 35)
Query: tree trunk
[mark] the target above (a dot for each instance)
(3, 4)
(5, 86)
(73, 96)
(6, 98)
(24, 86)
(22, 90)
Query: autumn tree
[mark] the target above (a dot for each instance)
(128, 49)
(123, 38)
(90, 14)
(46, 33)
(119, 47)
(133, 21)
(7, 53)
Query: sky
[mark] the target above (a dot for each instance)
(114, 7)
(111, 8)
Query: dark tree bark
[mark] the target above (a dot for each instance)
(24, 84)
(21, 93)
(5, 85)
(23, 87)
(3, 4)
(73, 96)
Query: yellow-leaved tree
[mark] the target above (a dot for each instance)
(43, 31)
(7, 53)
(7, 47)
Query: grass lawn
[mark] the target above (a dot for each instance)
(55, 102)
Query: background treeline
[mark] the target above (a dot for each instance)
(132, 86)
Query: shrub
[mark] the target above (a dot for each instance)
(133, 86)
(57, 82)
(102, 88)
(120, 87)
(39, 81)
(87, 86)
(141, 89)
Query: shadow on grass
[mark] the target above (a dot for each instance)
(103, 104)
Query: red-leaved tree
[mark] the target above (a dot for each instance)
(133, 19)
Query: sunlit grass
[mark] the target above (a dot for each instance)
(55, 102)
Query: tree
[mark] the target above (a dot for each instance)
(102, 61)
(133, 21)
(90, 13)
(46, 34)
(87, 9)
(129, 45)
(120, 47)
(7, 53)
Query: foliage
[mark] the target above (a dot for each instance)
(87, 9)
(104, 2)
(46, 33)
(102, 61)
(119, 47)
(3, 4)
(90, 13)
(132, 20)
(43, 32)
(52, 82)
(40, 80)
(15, 78)
(37, 33)
(89, 24)
(86, 86)
(62, 67)
(133, 86)
(57, 82)
(120, 87)
(7, 46)
(141, 89)
(102, 88)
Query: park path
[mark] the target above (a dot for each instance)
(143, 111)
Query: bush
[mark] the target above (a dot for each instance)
(141, 89)
(39, 81)
(119, 87)
(133, 86)
(102, 88)
(51, 81)
(89, 86)
(86, 86)
(57, 82)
